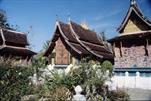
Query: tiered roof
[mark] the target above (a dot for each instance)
(14, 37)
(82, 42)
(133, 13)
(14, 43)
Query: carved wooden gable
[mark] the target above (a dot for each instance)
(62, 55)
(131, 27)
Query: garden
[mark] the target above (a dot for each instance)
(16, 83)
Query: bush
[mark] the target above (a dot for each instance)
(118, 95)
(89, 75)
(14, 81)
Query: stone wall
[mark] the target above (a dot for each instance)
(132, 56)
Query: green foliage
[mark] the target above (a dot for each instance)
(107, 65)
(57, 87)
(3, 19)
(38, 62)
(103, 36)
(4, 22)
(14, 81)
(91, 76)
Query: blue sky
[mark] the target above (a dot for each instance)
(38, 16)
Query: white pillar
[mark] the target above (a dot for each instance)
(137, 85)
(126, 80)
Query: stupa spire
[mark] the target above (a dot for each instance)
(133, 2)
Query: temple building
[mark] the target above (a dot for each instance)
(132, 47)
(14, 44)
(132, 50)
(71, 42)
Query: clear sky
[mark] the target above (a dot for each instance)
(38, 16)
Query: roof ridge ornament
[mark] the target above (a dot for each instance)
(57, 18)
(69, 18)
(133, 2)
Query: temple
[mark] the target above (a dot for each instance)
(132, 50)
(72, 42)
(132, 47)
(14, 44)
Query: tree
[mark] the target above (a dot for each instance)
(103, 37)
(4, 22)
(14, 80)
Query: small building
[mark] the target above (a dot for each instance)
(132, 49)
(72, 42)
(14, 44)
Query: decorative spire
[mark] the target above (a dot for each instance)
(133, 2)
(57, 18)
(69, 18)
(84, 24)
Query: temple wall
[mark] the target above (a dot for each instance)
(132, 56)
(149, 54)
(62, 55)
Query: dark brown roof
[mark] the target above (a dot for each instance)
(90, 41)
(14, 37)
(131, 36)
(81, 41)
(16, 51)
(14, 43)
(85, 35)
(135, 10)
(81, 49)
(69, 39)
(67, 32)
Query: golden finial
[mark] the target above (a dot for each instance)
(84, 24)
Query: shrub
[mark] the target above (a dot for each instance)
(118, 95)
(14, 81)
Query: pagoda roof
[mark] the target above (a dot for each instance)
(13, 37)
(14, 43)
(17, 51)
(131, 36)
(135, 10)
(80, 40)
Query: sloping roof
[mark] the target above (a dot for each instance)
(17, 51)
(133, 8)
(85, 35)
(14, 37)
(68, 37)
(90, 41)
(80, 40)
(14, 43)
(138, 35)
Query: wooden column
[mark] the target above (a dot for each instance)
(120, 48)
(114, 49)
(147, 51)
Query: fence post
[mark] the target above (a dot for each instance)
(137, 85)
(126, 80)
